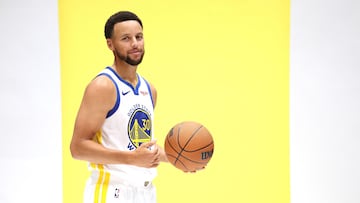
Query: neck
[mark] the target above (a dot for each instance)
(126, 72)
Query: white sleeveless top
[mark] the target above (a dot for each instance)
(127, 126)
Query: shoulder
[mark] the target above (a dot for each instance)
(102, 83)
(101, 88)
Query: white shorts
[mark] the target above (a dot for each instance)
(107, 190)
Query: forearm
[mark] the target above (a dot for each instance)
(93, 152)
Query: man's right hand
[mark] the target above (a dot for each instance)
(147, 155)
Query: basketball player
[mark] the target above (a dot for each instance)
(114, 126)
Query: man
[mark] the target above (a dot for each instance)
(114, 125)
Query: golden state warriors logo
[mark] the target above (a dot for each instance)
(139, 129)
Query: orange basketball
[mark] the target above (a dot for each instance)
(189, 146)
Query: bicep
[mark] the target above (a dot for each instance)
(98, 99)
(89, 120)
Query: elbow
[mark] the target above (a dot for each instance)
(74, 151)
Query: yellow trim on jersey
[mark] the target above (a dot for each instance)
(92, 165)
(105, 187)
(98, 137)
(102, 185)
(98, 185)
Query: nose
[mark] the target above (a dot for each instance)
(134, 42)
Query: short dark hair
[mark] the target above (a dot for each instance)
(117, 18)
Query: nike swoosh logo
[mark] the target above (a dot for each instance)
(125, 93)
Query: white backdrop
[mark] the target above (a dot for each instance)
(30, 152)
(324, 112)
(325, 101)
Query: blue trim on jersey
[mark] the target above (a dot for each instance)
(150, 92)
(117, 103)
(136, 89)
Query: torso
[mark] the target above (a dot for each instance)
(128, 124)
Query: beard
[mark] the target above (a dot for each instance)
(128, 60)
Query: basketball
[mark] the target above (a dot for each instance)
(189, 146)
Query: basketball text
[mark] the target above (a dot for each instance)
(206, 155)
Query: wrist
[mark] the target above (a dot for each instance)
(124, 157)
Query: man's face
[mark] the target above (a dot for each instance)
(127, 42)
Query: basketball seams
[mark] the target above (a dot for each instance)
(199, 148)
(180, 155)
(188, 141)
(178, 142)
(183, 164)
(168, 154)
(172, 147)
(183, 148)
(190, 138)
(189, 135)
(197, 162)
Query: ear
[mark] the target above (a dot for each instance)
(110, 44)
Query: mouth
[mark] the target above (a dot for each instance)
(135, 51)
(136, 54)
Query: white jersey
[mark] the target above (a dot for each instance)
(126, 127)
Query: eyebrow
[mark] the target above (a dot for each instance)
(127, 34)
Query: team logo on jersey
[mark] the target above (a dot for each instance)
(139, 129)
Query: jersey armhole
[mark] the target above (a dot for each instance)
(117, 103)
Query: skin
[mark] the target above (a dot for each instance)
(127, 44)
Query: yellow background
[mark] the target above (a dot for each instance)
(222, 63)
